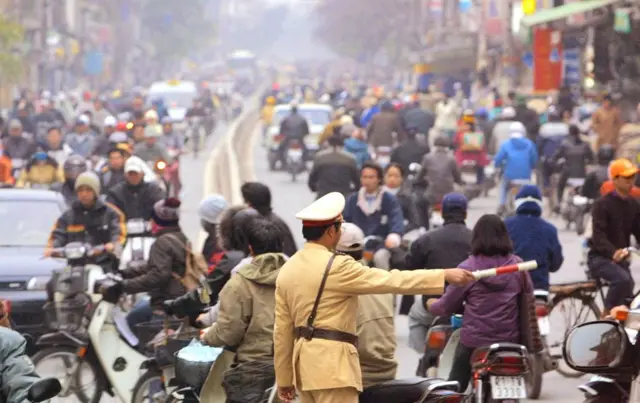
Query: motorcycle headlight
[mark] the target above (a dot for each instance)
(74, 252)
(161, 165)
(38, 283)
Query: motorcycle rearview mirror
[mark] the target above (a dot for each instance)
(44, 389)
(598, 347)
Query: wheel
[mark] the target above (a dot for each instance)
(587, 310)
(534, 377)
(74, 367)
(580, 227)
(150, 388)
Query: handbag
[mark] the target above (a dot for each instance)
(529, 331)
(248, 381)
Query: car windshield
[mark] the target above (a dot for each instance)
(313, 116)
(24, 227)
(175, 99)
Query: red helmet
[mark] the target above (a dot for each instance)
(121, 127)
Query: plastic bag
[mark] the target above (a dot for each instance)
(198, 352)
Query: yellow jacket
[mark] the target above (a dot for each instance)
(328, 131)
(267, 113)
(298, 362)
(40, 174)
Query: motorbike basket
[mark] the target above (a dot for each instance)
(191, 373)
(165, 353)
(67, 315)
(153, 333)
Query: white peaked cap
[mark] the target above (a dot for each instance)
(323, 211)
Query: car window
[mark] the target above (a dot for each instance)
(29, 221)
(175, 99)
(313, 116)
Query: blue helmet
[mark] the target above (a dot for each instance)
(482, 112)
(40, 156)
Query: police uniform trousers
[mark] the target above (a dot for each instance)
(341, 395)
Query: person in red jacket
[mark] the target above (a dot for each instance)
(469, 144)
(608, 187)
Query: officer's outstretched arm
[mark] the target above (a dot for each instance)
(351, 277)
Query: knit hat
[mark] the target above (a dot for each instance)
(90, 180)
(166, 213)
(454, 203)
(211, 208)
(529, 201)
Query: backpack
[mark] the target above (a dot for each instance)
(195, 268)
(473, 141)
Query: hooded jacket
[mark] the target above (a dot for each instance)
(359, 149)
(246, 310)
(519, 158)
(491, 312)
(535, 239)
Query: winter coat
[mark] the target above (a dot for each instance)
(381, 217)
(334, 170)
(519, 158)
(381, 127)
(246, 310)
(359, 149)
(17, 369)
(491, 312)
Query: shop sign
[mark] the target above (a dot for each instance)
(547, 60)
(622, 21)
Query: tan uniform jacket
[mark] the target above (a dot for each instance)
(376, 339)
(606, 123)
(324, 364)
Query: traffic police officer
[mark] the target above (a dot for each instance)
(316, 302)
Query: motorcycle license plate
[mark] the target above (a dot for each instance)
(294, 154)
(543, 324)
(508, 387)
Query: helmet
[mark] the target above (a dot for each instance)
(622, 167)
(151, 114)
(271, 100)
(606, 154)
(482, 112)
(118, 137)
(74, 166)
(152, 131)
(121, 126)
(40, 156)
(508, 113)
(517, 128)
(352, 238)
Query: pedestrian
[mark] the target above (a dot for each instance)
(315, 343)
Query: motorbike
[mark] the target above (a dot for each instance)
(16, 166)
(382, 155)
(608, 349)
(435, 217)
(571, 211)
(107, 347)
(43, 390)
(413, 390)
(542, 362)
(195, 134)
(139, 241)
(371, 244)
(295, 158)
(514, 187)
(159, 168)
(438, 337)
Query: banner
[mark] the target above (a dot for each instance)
(547, 60)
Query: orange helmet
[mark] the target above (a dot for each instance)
(622, 167)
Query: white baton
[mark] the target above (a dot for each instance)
(512, 268)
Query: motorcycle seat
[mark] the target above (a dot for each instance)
(480, 353)
(408, 390)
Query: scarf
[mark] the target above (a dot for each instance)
(367, 207)
(155, 227)
(393, 191)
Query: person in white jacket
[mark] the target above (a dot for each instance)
(447, 114)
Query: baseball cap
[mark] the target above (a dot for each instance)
(454, 202)
(622, 167)
(134, 164)
(352, 238)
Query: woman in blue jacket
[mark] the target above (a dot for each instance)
(376, 212)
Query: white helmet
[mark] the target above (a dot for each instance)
(508, 112)
(151, 114)
(352, 238)
(517, 129)
(324, 99)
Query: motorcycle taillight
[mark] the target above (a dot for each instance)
(437, 207)
(508, 365)
(436, 340)
(541, 310)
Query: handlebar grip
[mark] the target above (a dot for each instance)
(513, 268)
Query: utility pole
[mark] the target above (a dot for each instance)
(42, 44)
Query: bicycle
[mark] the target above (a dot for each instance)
(582, 294)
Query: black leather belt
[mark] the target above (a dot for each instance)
(335, 335)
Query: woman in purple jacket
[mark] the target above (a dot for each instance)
(491, 313)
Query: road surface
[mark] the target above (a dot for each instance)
(288, 198)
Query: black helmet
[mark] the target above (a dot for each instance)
(606, 153)
(74, 166)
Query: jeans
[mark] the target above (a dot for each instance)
(479, 175)
(504, 191)
(419, 322)
(618, 274)
(461, 367)
(142, 312)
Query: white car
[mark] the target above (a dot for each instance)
(317, 115)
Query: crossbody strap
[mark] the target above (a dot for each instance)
(314, 310)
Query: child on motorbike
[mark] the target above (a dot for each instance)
(41, 170)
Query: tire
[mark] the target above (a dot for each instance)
(147, 377)
(534, 378)
(591, 306)
(93, 364)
